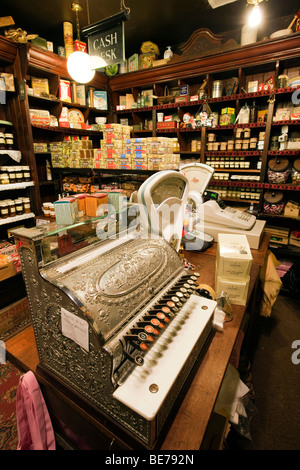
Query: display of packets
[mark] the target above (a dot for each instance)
(117, 151)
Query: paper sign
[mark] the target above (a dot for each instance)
(75, 328)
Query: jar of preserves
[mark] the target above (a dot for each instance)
(4, 178)
(2, 141)
(52, 210)
(12, 174)
(26, 173)
(26, 205)
(4, 213)
(19, 206)
(11, 208)
(19, 174)
(9, 141)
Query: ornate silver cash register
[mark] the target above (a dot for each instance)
(118, 320)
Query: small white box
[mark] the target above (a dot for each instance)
(66, 211)
(234, 258)
(237, 291)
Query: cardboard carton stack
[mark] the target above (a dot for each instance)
(72, 153)
(233, 265)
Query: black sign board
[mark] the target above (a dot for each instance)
(106, 41)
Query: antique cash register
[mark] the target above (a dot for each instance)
(118, 320)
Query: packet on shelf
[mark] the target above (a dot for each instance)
(96, 204)
(66, 212)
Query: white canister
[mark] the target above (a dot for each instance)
(160, 117)
(249, 35)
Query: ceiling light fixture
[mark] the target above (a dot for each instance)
(78, 63)
(255, 16)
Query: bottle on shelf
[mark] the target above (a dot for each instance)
(253, 112)
(48, 171)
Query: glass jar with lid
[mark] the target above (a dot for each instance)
(19, 174)
(26, 173)
(2, 141)
(19, 206)
(12, 174)
(4, 178)
(9, 141)
(26, 205)
(4, 213)
(11, 208)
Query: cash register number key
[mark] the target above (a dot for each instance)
(149, 327)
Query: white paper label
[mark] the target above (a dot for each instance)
(75, 328)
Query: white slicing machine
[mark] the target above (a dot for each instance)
(213, 217)
(162, 200)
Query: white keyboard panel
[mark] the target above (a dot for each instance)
(145, 390)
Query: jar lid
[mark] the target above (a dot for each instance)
(297, 164)
(273, 197)
(278, 164)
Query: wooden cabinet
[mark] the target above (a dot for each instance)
(40, 64)
(241, 173)
(14, 158)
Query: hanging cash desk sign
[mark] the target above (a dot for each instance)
(106, 41)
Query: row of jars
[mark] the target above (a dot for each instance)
(222, 163)
(14, 207)
(226, 176)
(236, 192)
(6, 141)
(14, 174)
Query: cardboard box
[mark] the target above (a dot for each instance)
(234, 258)
(133, 63)
(100, 99)
(291, 209)
(7, 270)
(237, 291)
(14, 314)
(66, 211)
(167, 125)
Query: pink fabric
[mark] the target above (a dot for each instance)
(35, 430)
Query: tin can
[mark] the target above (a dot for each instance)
(217, 88)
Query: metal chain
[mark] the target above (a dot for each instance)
(123, 6)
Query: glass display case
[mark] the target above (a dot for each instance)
(52, 241)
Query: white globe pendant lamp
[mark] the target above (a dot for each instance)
(78, 63)
(79, 68)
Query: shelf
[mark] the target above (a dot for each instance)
(17, 218)
(45, 100)
(283, 186)
(236, 170)
(237, 126)
(105, 170)
(6, 187)
(241, 184)
(288, 122)
(235, 153)
(287, 153)
(278, 216)
(236, 199)
(67, 130)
